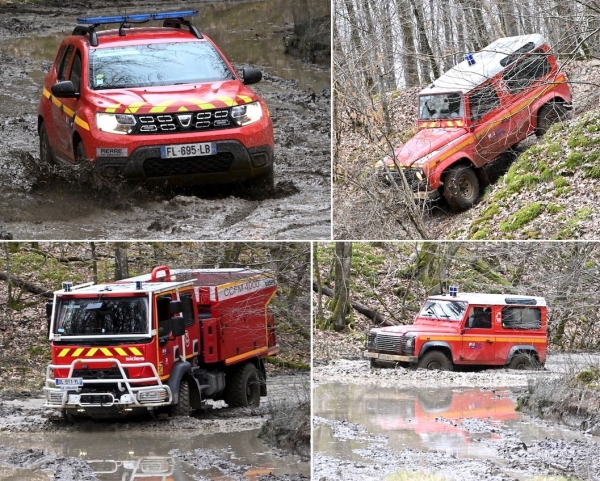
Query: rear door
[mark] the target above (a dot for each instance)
(478, 341)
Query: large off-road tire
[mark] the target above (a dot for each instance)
(436, 360)
(523, 361)
(548, 115)
(242, 386)
(46, 155)
(182, 408)
(461, 188)
(79, 153)
(373, 363)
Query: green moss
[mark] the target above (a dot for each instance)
(535, 150)
(569, 227)
(588, 376)
(592, 173)
(553, 150)
(560, 182)
(579, 141)
(522, 182)
(522, 217)
(554, 209)
(574, 159)
(545, 172)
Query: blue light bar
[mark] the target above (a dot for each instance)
(136, 18)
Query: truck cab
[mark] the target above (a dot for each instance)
(467, 329)
(163, 341)
(476, 111)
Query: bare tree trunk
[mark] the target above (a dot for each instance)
(409, 51)
(94, 262)
(341, 298)
(319, 284)
(121, 267)
(425, 47)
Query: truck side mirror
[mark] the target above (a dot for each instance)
(177, 326)
(49, 305)
(64, 89)
(251, 75)
(176, 306)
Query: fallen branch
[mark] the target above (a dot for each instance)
(364, 310)
(28, 286)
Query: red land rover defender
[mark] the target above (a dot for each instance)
(476, 111)
(159, 104)
(467, 329)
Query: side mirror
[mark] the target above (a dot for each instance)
(251, 75)
(49, 305)
(64, 89)
(177, 326)
(175, 306)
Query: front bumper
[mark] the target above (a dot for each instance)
(130, 392)
(390, 357)
(420, 188)
(232, 163)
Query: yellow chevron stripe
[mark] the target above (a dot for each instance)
(161, 107)
(134, 107)
(227, 100)
(64, 352)
(77, 352)
(91, 352)
(113, 108)
(81, 123)
(106, 352)
(135, 351)
(182, 109)
(46, 93)
(120, 352)
(201, 104)
(245, 98)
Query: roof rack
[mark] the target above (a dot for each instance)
(171, 19)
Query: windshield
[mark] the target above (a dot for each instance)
(441, 106)
(156, 64)
(102, 316)
(445, 310)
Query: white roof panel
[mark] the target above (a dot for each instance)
(464, 77)
(490, 299)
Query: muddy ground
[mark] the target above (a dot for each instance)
(24, 416)
(39, 203)
(568, 457)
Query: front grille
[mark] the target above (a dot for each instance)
(113, 373)
(96, 399)
(184, 122)
(206, 164)
(410, 175)
(388, 343)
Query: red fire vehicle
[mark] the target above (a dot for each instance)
(158, 104)
(166, 340)
(467, 329)
(476, 111)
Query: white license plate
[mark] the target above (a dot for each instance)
(69, 382)
(187, 150)
(387, 357)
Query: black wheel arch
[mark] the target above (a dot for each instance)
(522, 349)
(439, 345)
(183, 370)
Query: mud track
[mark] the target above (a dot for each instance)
(39, 202)
(21, 418)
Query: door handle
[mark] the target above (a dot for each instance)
(489, 341)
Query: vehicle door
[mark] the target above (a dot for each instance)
(522, 82)
(170, 348)
(478, 340)
(64, 116)
(489, 124)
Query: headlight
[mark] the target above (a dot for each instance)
(410, 342)
(246, 114)
(115, 123)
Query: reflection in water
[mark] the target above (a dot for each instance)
(247, 32)
(123, 456)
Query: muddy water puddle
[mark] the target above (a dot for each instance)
(352, 422)
(161, 456)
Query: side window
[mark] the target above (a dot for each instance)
(523, 73)
(521, 318)
(188, 309)
(480, 318)
(162, 314)
(60, 57)
(482, 101)
(76, 71)
(64, 64)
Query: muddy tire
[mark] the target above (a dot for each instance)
(242, 386)
(263, 182)
(436, 360)
(549, 114)
(79, 153)
(461, 188)
(522, 362)
(373, 363)
(182, 408)
(46, 155)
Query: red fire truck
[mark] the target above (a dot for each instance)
(163, 341)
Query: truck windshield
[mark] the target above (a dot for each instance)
(445, 310)
(441, 106)
(156, 64)
(102, 317)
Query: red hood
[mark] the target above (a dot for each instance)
(424, 326)
(175, 98)
(423, 143)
